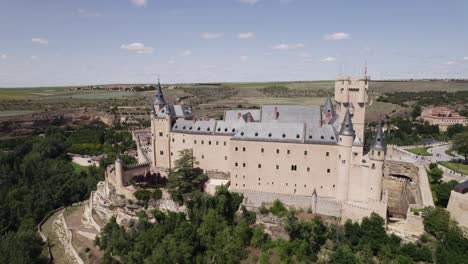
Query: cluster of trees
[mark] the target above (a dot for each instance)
(404, 131)
(95, 139)
(425, 98)
(36, 176)
(440, 190)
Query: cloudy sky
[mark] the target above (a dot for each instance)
(70, 42)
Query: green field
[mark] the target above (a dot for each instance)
(460, 168)
(420, 151)
(78, 168)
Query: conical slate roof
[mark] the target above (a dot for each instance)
(159, 98)
(347, 126)
(378, 143)
(328, 106)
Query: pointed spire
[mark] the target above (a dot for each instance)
(378, 143)
(347, 126)
(159, 97)
(328, 106)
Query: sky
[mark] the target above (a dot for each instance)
(83, 42)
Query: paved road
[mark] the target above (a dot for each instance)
(438, 153)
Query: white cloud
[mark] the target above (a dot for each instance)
(186, 53)
(33, 57)
(250, 2)
(212, 35)
(450, 63)
(337, 36)
(247, 35)
(86, 13)
(244, 58)
(328, 59)
(465, 58)
(139, 3)
(3, 56)
(138, 48)
(42, 41)
(284, 46)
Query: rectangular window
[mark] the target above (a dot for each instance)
(328, 170)
(217, 143)
(308, 169)
(327, 154)
(209, 142)
(195, 142)
(277, 151)
(259, 166)
(202, 142)
(225, 157)
(236, 164)
(202, 156)
(161, 152)
(289, 152)
(224, 143)
(293, 167)
(183, 140)
(262, 150)
(305, 152)
(160, 134)
(237, 149)
(172, 139)
(243, 149)
(277, 167)
(243, 165)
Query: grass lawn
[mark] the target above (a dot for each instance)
(78, 168)
(460, 168)
(420, 151)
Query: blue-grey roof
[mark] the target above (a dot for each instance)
(267, 131)
(378, 143)
(194, 126)
(177, 111)
(328, 106)
(347, 126)
(291, 114)
(233, 115)
(228, 128)
(159, 97)
(325, 134)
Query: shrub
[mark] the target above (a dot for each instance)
(263, 210)
(157, 194)
(278, 208)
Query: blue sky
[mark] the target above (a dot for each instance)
(79, 42)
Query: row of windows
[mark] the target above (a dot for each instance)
(293, 167)
(295, 185)
(284, 136)
(262, 150)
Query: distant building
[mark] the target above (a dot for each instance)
(443, 117)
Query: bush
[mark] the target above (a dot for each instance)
(263, 210)
(157, 194)
(436, 221)
(278, 208)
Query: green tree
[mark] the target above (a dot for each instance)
(343, 255)
(185, 178)
(436, 221)
(460, 144)
(452, 130)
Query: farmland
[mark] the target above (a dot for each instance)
(212, 99)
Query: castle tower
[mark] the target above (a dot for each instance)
(160, 130)
(119, 171)
(377, 156)
(328, 110)
(345, 143)
(159, 101)
(352, 93)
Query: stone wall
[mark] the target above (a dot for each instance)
(458, 207)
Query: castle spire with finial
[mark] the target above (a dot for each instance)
(378, 143)
(159, 97)
(347, 125)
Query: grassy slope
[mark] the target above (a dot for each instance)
(460, 168)
(420, 151)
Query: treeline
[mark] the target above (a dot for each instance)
(37, 176)
(98, 139)
(215, 231)
(283, 91)
(426, 98)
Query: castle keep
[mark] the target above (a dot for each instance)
(307, 156)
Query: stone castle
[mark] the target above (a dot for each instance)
(306, 156)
